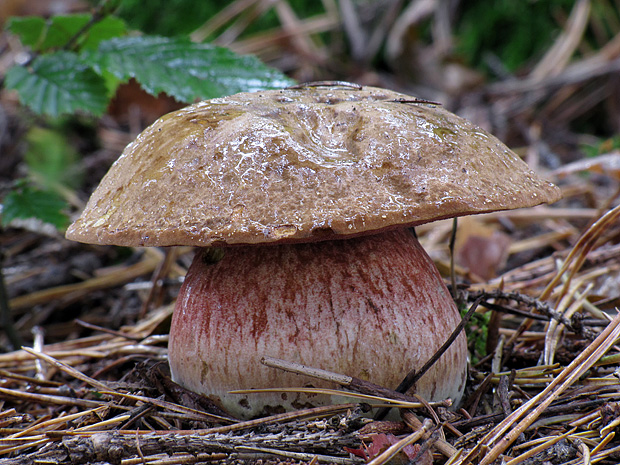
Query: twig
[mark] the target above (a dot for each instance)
(413, 376)
(69, 370)
(301, 456)
(52, 400)
(440, 444)
(112, 332)
(350, 382)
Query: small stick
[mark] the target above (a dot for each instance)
(326, 84)
(350, 382)
(365, 387)
(416, 100)
(49, 399)
(300, 456)
(409, 382)
(443, 446)
(69, 370)
(87, 325)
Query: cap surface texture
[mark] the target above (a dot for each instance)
(302, 164)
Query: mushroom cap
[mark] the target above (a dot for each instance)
(302, 164)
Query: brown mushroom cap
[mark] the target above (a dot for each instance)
(302, 164)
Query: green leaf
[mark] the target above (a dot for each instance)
(61, 29)
(29, 29)
(184, 70)
(108, 28)
(44, 35)
(26, 202)
(51, 160)
(58, 83)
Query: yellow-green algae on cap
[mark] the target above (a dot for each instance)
(302, 164)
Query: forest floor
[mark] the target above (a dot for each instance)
(83, 370)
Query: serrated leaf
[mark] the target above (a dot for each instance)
(29, 29)
(58, 83)
(184, 70)
(27, 202)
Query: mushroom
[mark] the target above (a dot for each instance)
(306, 197)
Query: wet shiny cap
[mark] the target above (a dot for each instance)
(312, 162)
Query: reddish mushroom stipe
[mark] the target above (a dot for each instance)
(372, 307)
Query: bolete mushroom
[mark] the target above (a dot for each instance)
(311, 193)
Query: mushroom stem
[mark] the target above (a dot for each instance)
(371, 307)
